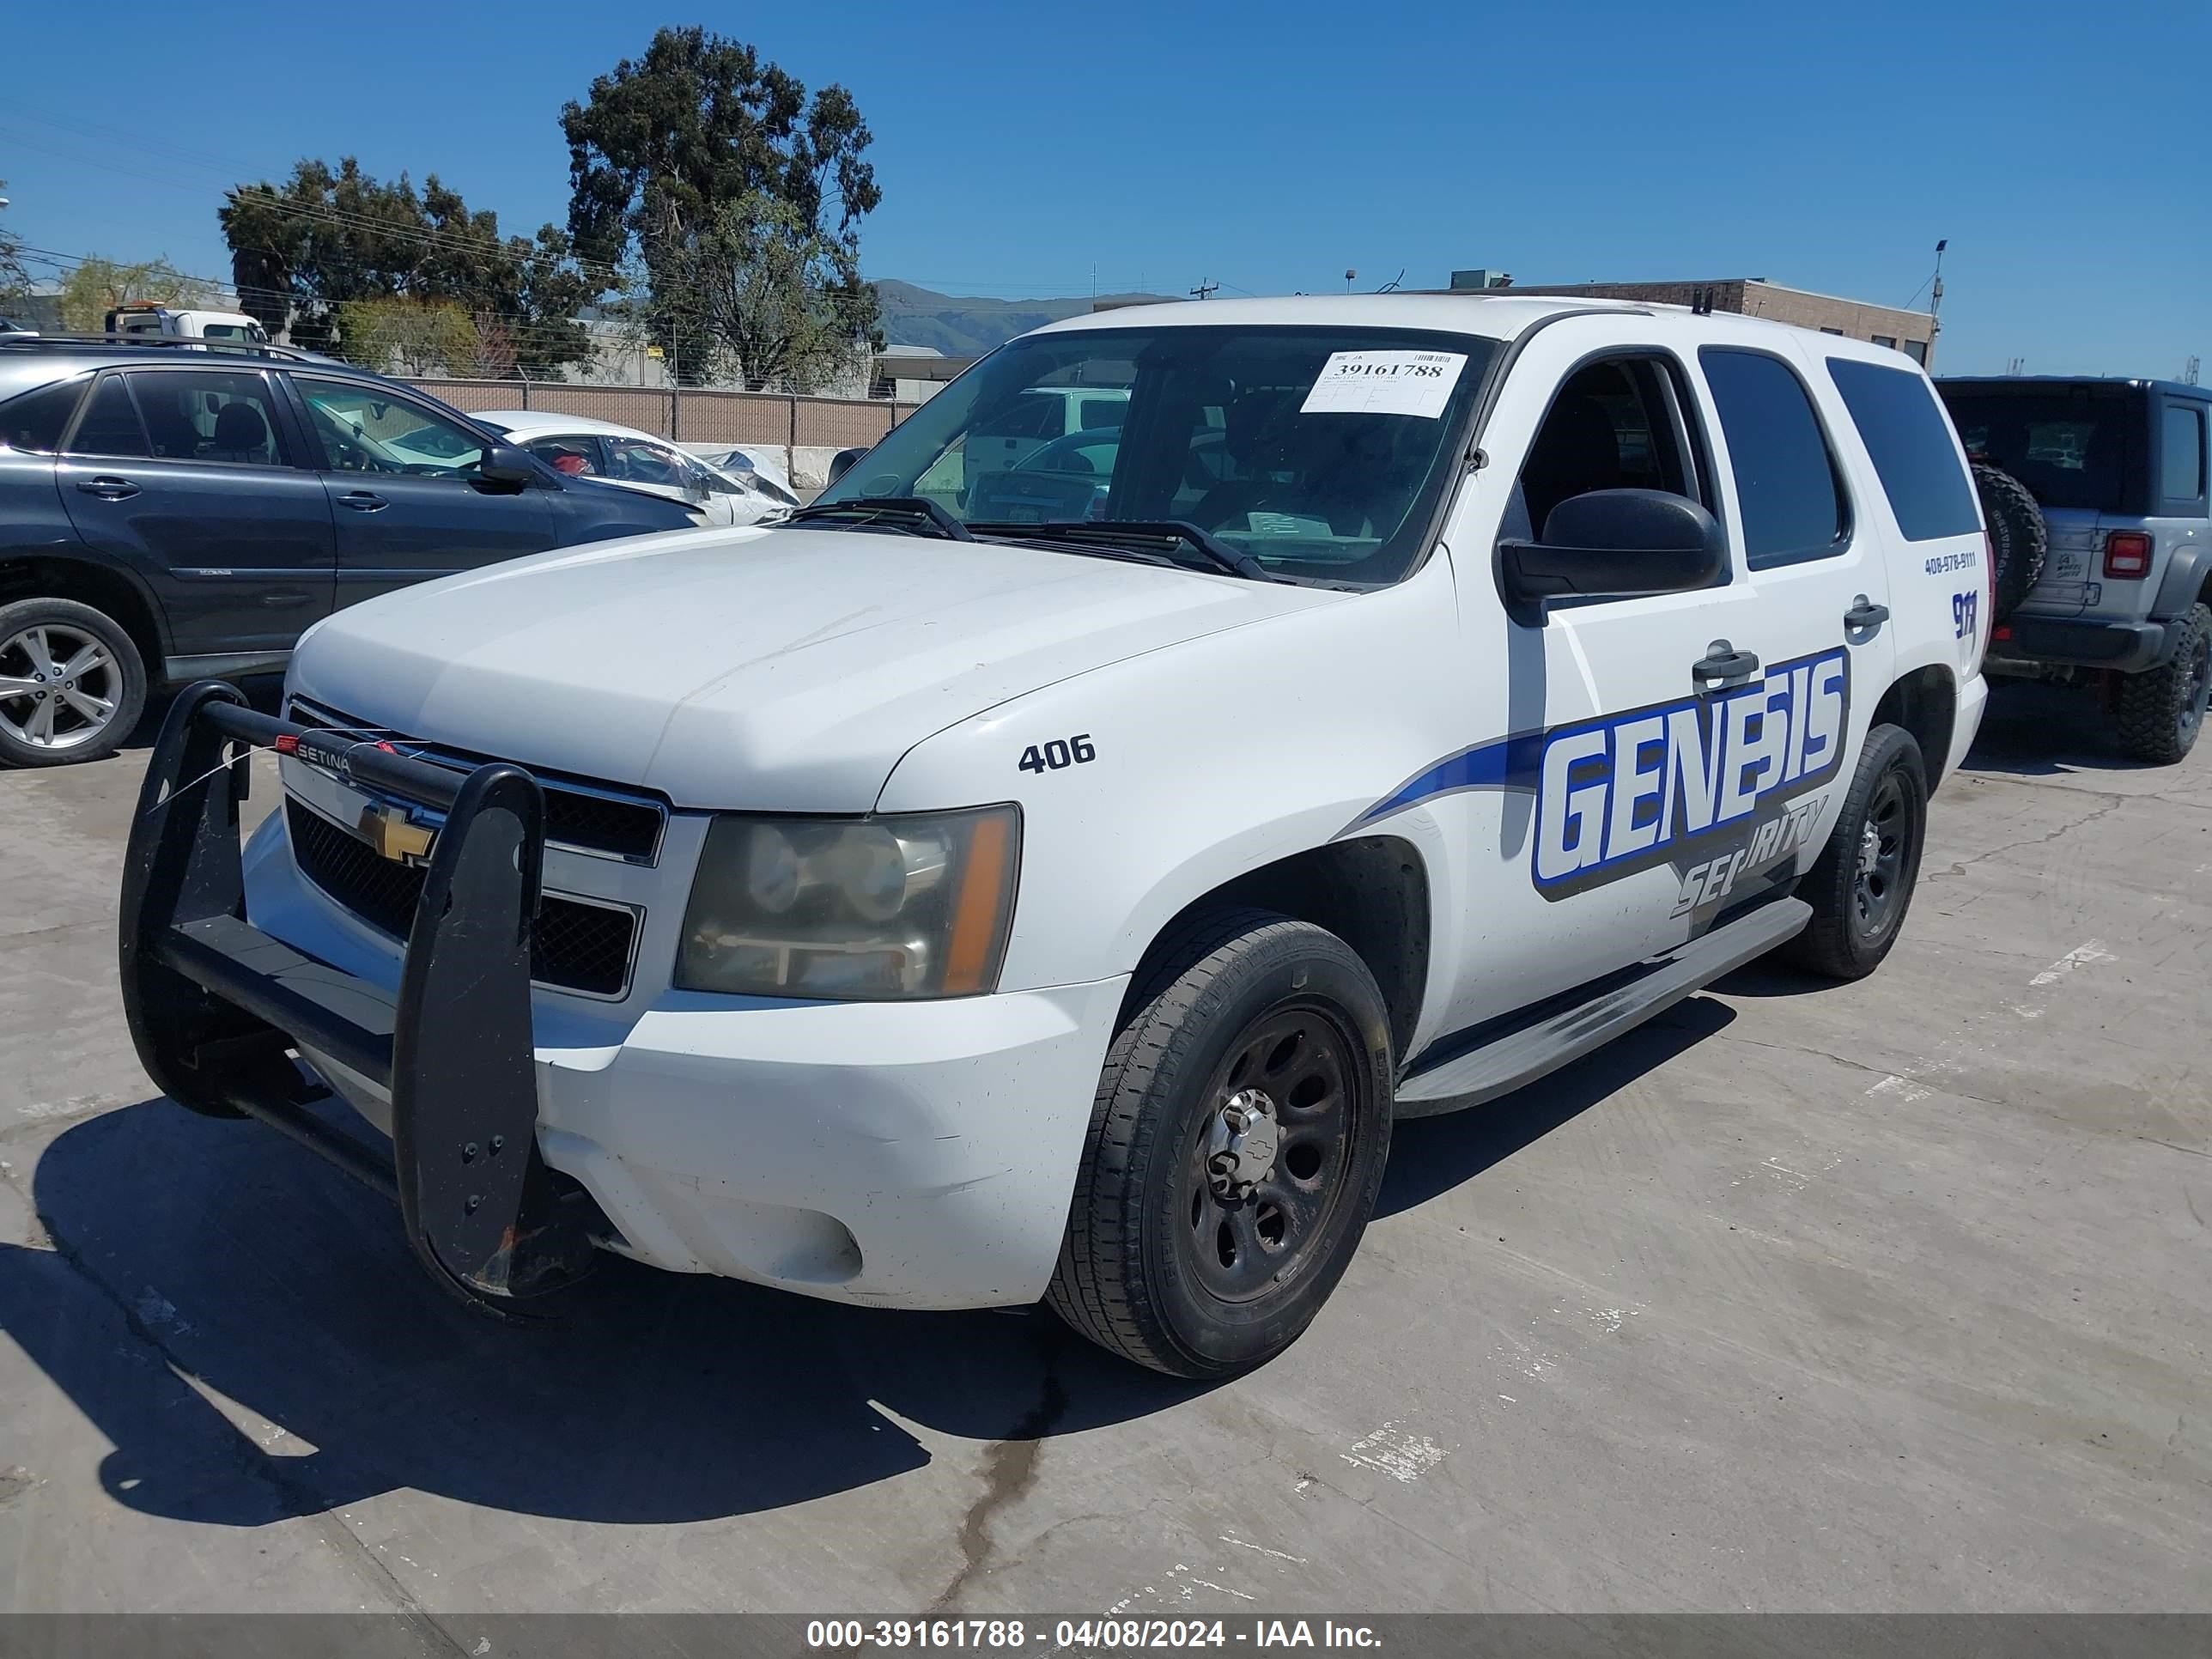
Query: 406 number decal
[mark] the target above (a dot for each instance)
(1060, 753)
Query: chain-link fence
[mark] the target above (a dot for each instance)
(690, 415)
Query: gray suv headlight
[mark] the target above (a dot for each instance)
(914, 905)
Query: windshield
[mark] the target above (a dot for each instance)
(2072, 447)
(1319, 451)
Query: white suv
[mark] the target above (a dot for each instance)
(936, 912)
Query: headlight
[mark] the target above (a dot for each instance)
(912, 906)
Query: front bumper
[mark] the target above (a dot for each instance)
(2126, 648)
(919, 1155)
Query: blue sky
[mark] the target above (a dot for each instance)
(2061, 148)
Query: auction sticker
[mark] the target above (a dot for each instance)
(1385, 383)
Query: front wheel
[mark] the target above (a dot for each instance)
(1861, 884)
(1237, 1146)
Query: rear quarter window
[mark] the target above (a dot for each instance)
(1909, 443)
(37, 420)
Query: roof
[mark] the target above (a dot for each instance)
(33, 359)
(1498, 314)
(2174, 388)
(552, 420)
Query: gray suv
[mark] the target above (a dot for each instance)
(175, 513)
(2122, 598)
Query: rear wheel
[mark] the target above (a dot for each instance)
(2159, 713)
(1862, 883)
(1237, 1146)
(72, 685)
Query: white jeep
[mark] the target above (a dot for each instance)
(925, 912)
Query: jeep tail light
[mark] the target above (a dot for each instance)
(2127, 556)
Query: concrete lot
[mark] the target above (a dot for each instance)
(1895, 1296)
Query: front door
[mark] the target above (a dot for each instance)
(193, 478)
(405, 491)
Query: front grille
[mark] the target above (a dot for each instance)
(575, 946)
(584, 817)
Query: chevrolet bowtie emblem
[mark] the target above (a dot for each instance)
(388, 830)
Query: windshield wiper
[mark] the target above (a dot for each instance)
(913, 514)
(1133, 534)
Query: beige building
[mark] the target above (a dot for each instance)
(1912, 332)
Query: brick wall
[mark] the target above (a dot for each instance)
(1853, 319)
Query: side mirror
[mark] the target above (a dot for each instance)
(509, 465)
(842, 462)
(1615, 544)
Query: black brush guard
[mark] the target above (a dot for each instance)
(215, 1006)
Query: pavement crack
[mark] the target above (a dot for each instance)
(1010, 1469)
(297, 1496)
(2111, 803)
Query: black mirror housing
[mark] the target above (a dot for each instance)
(1616, 544)
(841, 462)
(509, 465)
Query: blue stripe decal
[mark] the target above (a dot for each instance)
(1512, 763)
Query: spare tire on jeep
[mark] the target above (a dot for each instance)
(2017, 535)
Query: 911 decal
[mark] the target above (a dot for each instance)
(1673, 781)
(1966, 608)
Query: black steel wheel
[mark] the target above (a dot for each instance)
(1268, 1161)
(1237, 1146)
(1861, 884)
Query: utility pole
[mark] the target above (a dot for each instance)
(1205, 290)
(1935, 296)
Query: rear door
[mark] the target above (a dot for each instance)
(193, 478)
(405, 492)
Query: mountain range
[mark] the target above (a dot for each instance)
(967, 326)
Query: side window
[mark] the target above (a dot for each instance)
(638, 462)
(1894, 410)
(1095, 412)
(37, 420)
(1616, 424)
(206, 415)
(1785, 479)
(364, 428)
(2184, 471)
(109, 425)
(575, 456)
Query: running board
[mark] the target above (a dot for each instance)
(1520, 1057)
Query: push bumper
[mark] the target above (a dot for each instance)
(2127, 647)
(919, 1155)
(216, 1005)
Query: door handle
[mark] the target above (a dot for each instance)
(1723, 662)
(108, 489)
(1864, 615)
(361, 501)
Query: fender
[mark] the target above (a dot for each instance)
(2188, 569)
(1211, 758)
(74, 558)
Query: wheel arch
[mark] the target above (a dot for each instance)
(1925, 702)
(1371, 891)
(107, 589)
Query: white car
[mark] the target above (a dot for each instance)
(944, 913)
(580, 446)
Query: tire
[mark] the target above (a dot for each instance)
(2018, 536)
(1858, 912)
(2160, 713)
(1182, 1253)
(48, 729)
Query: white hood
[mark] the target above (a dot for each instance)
(776, 669)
